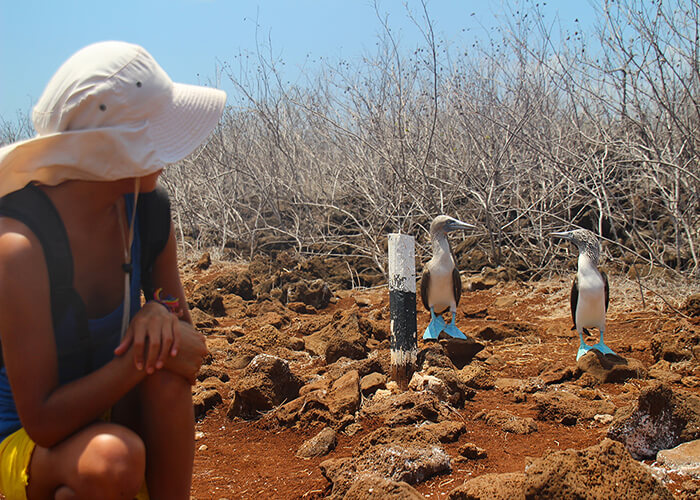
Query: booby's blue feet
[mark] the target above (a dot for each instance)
(453, 331)
(436, 325)
(582, 349)
(603, 348)
(600, 347)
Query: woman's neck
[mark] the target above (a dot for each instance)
(89, 197)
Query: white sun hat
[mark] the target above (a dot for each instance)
(110, 112)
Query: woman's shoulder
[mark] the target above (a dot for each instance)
(20, 251)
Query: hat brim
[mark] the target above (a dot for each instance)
(192, 115)
(111, 153)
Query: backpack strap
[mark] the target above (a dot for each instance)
(31, 206)
(154, 230)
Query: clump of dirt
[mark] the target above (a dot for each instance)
(691, 307)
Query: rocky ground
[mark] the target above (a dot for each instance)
(296, 402)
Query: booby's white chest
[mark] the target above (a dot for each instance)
(590, 308)
(441, 291)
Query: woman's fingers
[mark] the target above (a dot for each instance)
(139, 329)
(125, 343)
(168, 333)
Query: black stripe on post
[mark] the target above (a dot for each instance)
(402, 303)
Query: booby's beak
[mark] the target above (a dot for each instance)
(567, 235)
(455, 224)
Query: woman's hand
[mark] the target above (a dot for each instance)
(193, 349)
(155, 334)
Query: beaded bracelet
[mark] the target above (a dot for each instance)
(171, 303)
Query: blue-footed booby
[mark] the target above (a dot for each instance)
(440, 285)
(590, 292)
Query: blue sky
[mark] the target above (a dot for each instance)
(191, 38)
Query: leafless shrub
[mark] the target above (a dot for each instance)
(531, 129)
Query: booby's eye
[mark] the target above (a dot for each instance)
(103, 107)
(138, 84)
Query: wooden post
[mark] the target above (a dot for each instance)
(402, 302)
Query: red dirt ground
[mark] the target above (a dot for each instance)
(240, 460)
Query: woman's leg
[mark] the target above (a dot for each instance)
(104, 460)
(160, 411)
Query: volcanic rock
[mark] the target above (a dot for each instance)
(691, 306)
(301, 308)
(344, 395)
(304, 412)
(425, 435)
(602, 471)
(319, 445)
(672, 347)
(342, 338)
(421, 382)
(235, 283)
(507, 421)
(605, 470)
(610, 368)
(313, 293)
(661, 418)
(205, 400)
(684, 458)
(460, 351)
(265, 383)
(663, 372)
(373, 487)
(482, 283)
(472, 451)
(396, 462)
(457, 391)
(212, 383)
(445, 432)
(567, 408)
(211, 371)
(433, 354)
(507, 486)
(557, 376)
(204, 261)
(370, 383)
(406, 408)
(268, 337)
(375, 363)
(208, 300)
(200, 319)
(240, 354)
(477, 377)
(217, 347)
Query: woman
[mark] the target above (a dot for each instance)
(108, 122)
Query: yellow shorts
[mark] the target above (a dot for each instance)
(15, 454)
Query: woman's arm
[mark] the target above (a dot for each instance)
(166, 275)
(155, 334)
(49, 413)
(191, 344)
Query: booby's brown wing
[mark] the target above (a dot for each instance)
(456, 280)
(607, 289)
(424, 284)
(456, 285)
(574, 300)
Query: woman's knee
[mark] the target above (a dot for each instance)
(165, 386)
(113, 461)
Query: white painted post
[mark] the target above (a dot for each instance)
(402, 304)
